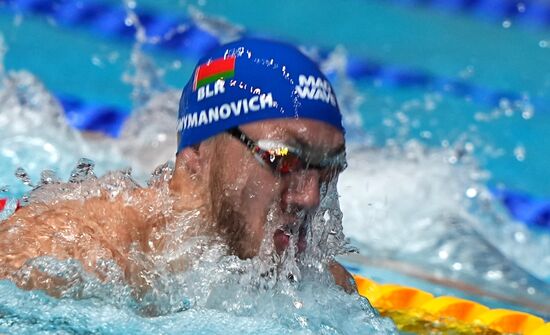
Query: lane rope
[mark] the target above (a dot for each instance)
(528, 13)
(414, 310)
(110, 21)
(192, 41)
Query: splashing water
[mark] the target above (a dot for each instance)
(429, 208)
(413, 192)
(272, 293)
(294, 293)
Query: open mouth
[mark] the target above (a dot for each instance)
(281, 238)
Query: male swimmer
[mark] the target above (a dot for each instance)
(259, 135)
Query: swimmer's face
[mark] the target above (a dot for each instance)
(251, 202)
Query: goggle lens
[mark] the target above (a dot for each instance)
(283, 160)
(289, 163)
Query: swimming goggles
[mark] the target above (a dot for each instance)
(283, 159)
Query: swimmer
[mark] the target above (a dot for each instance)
(259, 134)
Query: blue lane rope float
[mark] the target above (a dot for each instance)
(193, 41)
(94, 117)
(389, 76)
(109, 21)
(533, 211)
(529, 13)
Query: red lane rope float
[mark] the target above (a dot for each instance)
(417, 311)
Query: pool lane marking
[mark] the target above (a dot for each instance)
(528, 13)
(193, 41)
(419, 304)
(413, 271)
(109, 21)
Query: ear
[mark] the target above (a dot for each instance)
(187, 181)
(190, 157)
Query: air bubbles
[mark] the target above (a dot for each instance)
(431, 101)
(467, 73)
(23, 176)
(506, 24)
(452, 159)
(469, 147)
(528, 112)
(494, 275)
(96, 61)
(302, 320)
(519, 152)
(472, 192)
(426, 134)
(544, 43)
(520, 237)
(457, 266)
(505, 105)
(176, 65)
(128, 21)
(112, 57)
(326, 215)
(162, 137)
(131, 4)
(520, 6)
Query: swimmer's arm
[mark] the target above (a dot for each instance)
(83, 230)
(342, 277)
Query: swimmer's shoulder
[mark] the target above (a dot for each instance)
(89, 229)
(342, 277)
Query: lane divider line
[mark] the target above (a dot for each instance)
(110, 21)
(193, 41)
(409, 306)
(528, 13)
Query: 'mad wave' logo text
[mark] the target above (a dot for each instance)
(315, 88)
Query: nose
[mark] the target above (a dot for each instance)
(303, 190)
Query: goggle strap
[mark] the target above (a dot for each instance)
(238, 134)
(339, 160)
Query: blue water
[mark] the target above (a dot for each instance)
(450, 46)
(81, 63)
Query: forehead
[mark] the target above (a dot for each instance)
(306, 132)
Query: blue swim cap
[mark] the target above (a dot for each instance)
(251, 80)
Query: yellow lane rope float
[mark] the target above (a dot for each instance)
(417, 311)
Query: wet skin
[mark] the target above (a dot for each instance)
(219, 177)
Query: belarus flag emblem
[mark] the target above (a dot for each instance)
(221, 68)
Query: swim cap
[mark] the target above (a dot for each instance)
(251, 80)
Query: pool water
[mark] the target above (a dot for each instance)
(423, 159)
